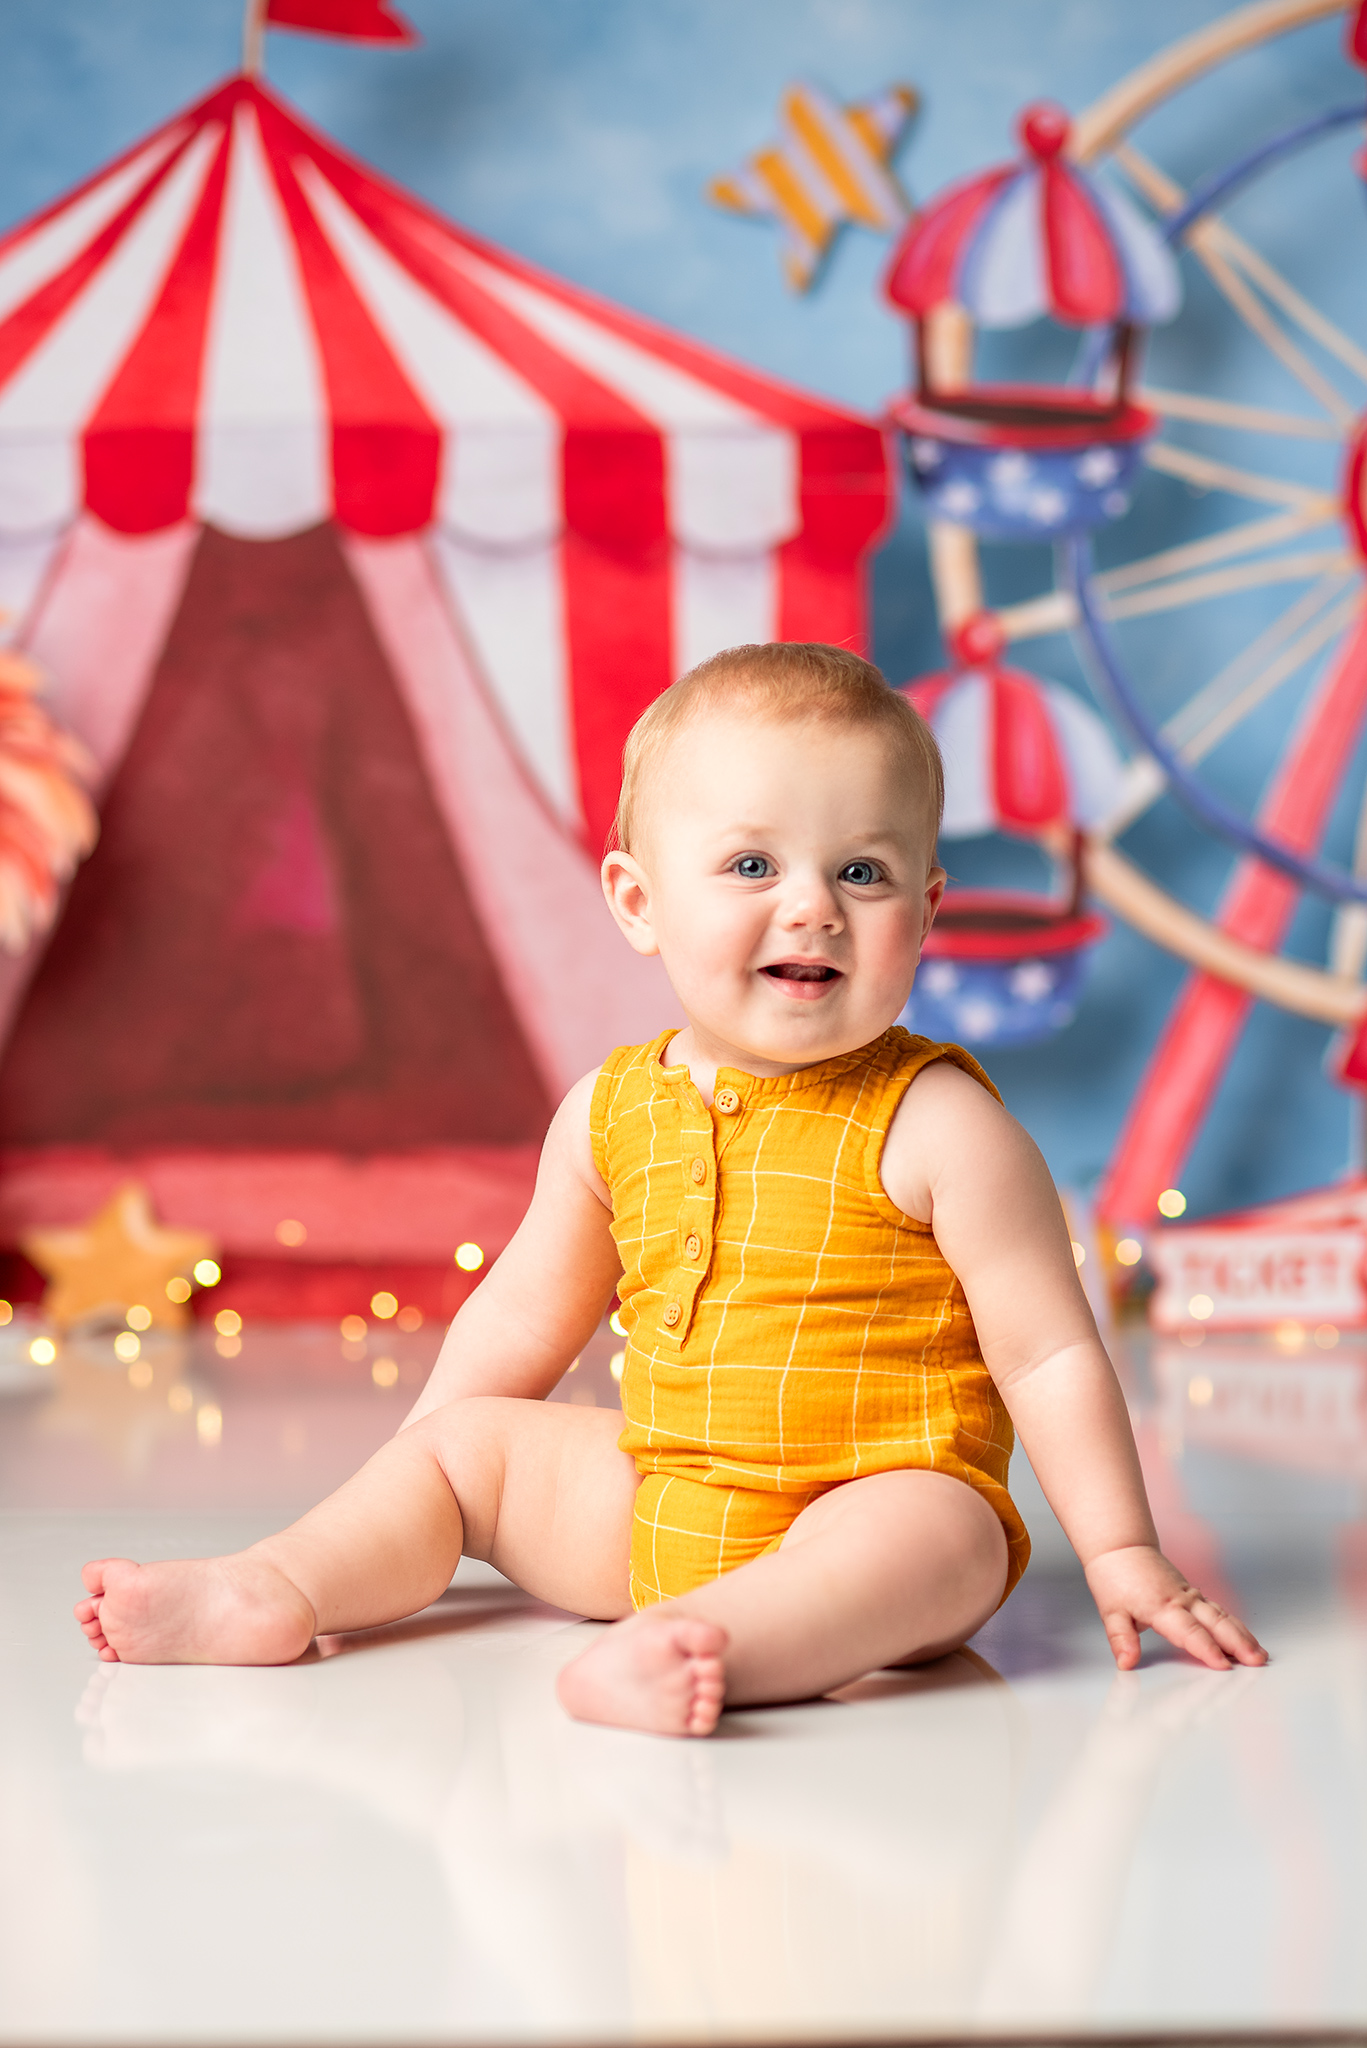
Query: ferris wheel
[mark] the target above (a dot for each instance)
(1059, 232)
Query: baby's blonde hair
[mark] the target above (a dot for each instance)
(790, 682)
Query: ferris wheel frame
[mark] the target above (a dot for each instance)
(1077, 603)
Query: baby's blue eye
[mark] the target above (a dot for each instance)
(861, 872)
(752, 867)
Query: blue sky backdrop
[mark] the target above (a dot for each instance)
(581, 133)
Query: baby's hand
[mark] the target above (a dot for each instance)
(1137, 1588)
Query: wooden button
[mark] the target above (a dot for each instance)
(699, 1169)
(672, 1314)
(693, 1247)
(727, 1101)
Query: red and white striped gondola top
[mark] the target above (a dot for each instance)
(239, 324)
(1020, 755)
(1041, 236)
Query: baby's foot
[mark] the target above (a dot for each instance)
(661, 1672)
(208, 1610)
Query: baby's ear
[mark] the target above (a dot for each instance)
(628, 892)
(935, 889)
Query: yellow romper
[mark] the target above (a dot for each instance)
(788, 1328)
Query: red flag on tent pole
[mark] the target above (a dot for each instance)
(1356, 38)
(360, 21)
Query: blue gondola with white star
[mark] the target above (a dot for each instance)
(1039, 238)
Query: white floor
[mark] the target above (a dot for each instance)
(403, 1839)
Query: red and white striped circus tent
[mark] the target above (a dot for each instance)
(352, 547)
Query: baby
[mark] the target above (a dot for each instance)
(842, 1267)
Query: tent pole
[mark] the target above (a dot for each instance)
(253, 37)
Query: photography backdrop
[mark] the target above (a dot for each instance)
(581, 134)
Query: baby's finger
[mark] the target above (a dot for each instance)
(1229, 1632)
(1123, 1637)
(1181, 1627)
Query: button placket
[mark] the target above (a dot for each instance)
(697, 1208)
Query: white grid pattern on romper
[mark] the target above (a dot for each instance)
(910, 1351)
(770, 1116)
(816, 1282)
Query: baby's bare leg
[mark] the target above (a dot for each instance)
(542, 1492)
(895, 1568)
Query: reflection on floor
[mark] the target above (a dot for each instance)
(400, 1837)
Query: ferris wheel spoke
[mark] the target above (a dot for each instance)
(1236, 690)
(1055, 611)
(1210, 242)
(1309, 318)
(1256, 316)
(1220, 412)
(1185, 590)
(1035, 618)
(1222, 718)
(1241, 483)
(1265, 646)
(1247, 538)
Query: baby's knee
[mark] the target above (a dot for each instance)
(477, 1424)
(468, 1439)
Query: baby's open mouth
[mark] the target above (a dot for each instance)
(801, 970)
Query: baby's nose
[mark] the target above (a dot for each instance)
(812, 902)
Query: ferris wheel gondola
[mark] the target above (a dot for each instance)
(1305, 535)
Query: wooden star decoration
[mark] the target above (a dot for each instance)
(120, 1258)
(829, 166)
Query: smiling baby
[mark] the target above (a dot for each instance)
(842, 1267)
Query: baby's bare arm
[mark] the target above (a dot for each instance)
(955, 1159)
(545, 1295)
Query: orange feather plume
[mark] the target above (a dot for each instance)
(47, 821)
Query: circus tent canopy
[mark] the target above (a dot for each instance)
(352, 547)
(237, 324)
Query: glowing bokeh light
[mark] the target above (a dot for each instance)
(138, 1317)
(227, 1322)
(617, 1364)
(1129, 1251)
(208, 1272)
(1200, 1392)
(353, 1329)
(384, 1305)
(1172, 1202)
(385, 1372)
(469, 1257)
(209, 1424)
(127, 1346)
(178, 1289)
(1201, 1307)
(290, 1231)
(410, 1318)
(42, 1351)
(179, 1398)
